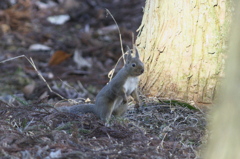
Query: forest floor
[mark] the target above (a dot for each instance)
(74, 59)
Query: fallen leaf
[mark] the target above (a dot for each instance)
(80, 61)
(37, 47)
(58, 19)
(58, 57)
(56, 154)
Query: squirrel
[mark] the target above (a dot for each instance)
(112, 98)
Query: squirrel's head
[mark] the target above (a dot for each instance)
(134, 65)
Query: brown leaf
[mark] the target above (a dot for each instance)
(58, 57)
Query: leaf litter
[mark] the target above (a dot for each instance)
(154, 131)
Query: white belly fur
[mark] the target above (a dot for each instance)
(130, 85)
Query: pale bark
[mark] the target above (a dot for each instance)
(224, 140)
(182, 45)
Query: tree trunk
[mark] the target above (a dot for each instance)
(182, 45)
(224, 140)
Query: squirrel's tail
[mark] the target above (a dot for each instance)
(78, 109)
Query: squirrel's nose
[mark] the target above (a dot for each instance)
(142, 70)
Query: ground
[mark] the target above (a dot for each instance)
(156, 131)
(82, 52)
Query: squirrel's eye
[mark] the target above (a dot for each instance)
(133, 65)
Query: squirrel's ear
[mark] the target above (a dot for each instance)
(137, 54)
(128, 56)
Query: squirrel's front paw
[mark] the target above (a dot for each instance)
(138, 105)
(124, 101)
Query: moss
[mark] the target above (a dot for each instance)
(65, 126)
(20, 100)
(84, 131)
(180, 103)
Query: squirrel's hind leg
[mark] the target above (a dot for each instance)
(105, 111)
(120, 110)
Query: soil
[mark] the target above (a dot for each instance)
(75, 66)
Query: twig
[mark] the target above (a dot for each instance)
(120, 36)
(110, 74)
(163, 140)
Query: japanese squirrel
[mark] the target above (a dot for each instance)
(112, 98)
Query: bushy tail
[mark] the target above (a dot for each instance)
(78, 109)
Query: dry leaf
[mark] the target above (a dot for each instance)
(87, 100)
(38, 47)
(58, 57)
(80, 61)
